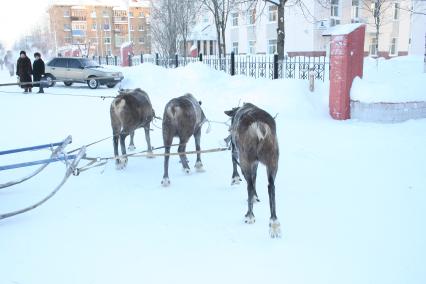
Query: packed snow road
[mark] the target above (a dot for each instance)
(350, 195)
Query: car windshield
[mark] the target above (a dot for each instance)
(89, 63)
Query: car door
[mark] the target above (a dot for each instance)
(59, 68)
(75, 69)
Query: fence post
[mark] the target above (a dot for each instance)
(200, 56)
(156, 59)
(115, 60)
(107, 61)
(176, 60)
(129, 57)
(275, 66)
(141, 57)
(311, 79)
(232, 63)
(100, 61)
(94, 58)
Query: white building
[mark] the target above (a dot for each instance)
(418, 28)
(253, 31)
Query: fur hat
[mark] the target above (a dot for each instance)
(37, 54)
(22, 52)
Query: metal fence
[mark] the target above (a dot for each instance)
(257, 66)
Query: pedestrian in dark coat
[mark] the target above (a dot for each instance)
(24, 71)
(38, 71)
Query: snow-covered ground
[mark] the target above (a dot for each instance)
(350, 195)
(400, 79)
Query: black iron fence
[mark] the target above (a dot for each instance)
(257, 66)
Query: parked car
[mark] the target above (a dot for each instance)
(80, 70)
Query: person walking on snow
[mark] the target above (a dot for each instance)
(24, 71)
(8, 62)
(38, 71)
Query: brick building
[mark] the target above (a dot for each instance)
(100, 27)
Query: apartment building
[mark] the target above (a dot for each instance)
(100, 27)
(253, 30)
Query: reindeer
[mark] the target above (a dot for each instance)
(183, 117)
(254, 140)
(130, 110)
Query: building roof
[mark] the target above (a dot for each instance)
(113, 3)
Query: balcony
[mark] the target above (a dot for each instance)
(78, 18)
(78, 33)
(120, 20)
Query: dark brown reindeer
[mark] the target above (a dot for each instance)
(130, 110)
(254, 140)
(183, 117)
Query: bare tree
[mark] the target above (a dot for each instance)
(220, 9)
(187, 11)
(377, 15)
(164, 26)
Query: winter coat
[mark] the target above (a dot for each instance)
(24, 71)
(38, 70)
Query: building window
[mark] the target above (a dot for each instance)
(141, 15)
(141, 28)
(107, 27)
(66, 13)
(272, 46)
(132, 28)
(273, 13)
(373, 46)
(334, 16)
(105, 14)
(107, 40)
(394, 47)
(67, 27)
(94, 27)
(141, 40)
(251, 17)
(396, 11)
(235, 47)
(130, 14)
(211, 47)
(355, 11)
(234, 19)
(93, 14)
(252, 47)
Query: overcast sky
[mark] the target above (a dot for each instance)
(19, 16)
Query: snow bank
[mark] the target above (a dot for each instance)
(395, 80)
(290, 98)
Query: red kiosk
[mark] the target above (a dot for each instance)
(126, 49)
(346, 62)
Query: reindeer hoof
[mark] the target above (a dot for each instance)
(121, 163)
(131, 148)
(249, 219)
(199, 166)
(236, 180)
(274, 229)
(165, 182)
(150, 155)
(187, 170)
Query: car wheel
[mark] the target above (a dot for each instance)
(67, 84)
(92, 83)
(111, 85)
(49, 79)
